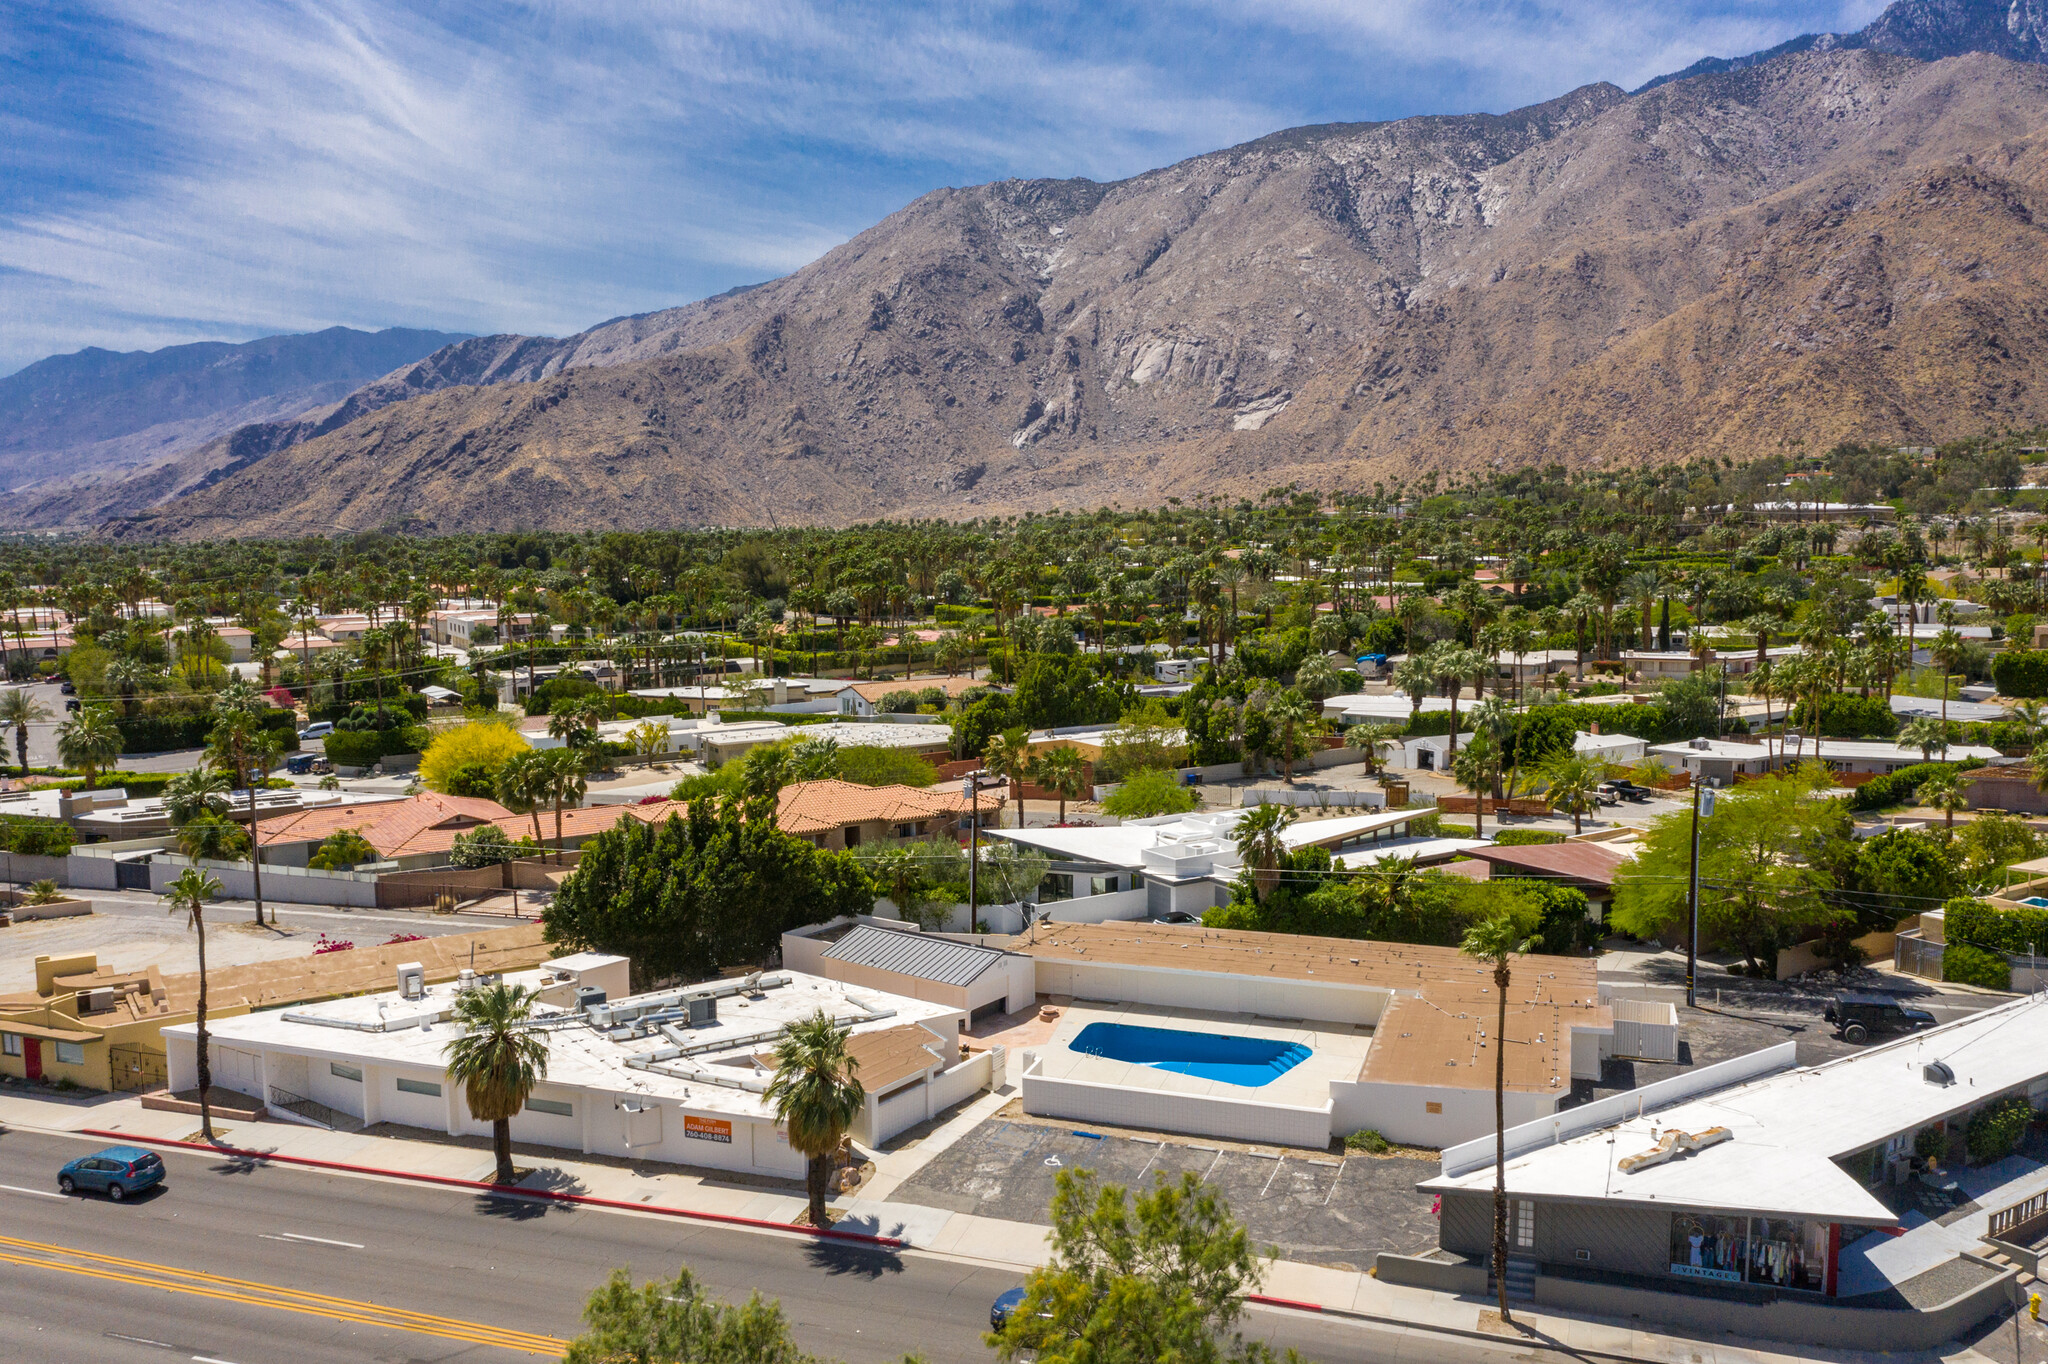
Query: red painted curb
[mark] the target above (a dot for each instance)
(730, 1219)
(1265, 1301)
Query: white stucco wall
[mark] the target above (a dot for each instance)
(1401, 1113)
(1214, 991)
(1156, 1110)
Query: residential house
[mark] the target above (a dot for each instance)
(842, 814)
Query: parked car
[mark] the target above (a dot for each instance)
(67, 689)
(73, 704)
(1176, 916)
(1627, 790)
(117, 1172)
(1858, 1018)
(1005, 1306)
(319, 729)
(299, 764)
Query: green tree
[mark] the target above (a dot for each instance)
(867, 764)
(1574, 779)
(343, 850)
(817, 1095)
(242, 745)
(19, 710)
(1145, 794)
(679, 1323)
(1261, 845)
(1926, 734)
(1009, 755)
(698, 892)
(207, 835)
(1062, 771)
(1911, 871)
(1947, 792)
(1761, 867)
(89, 741)
(498, 1059)
(1296, 725)
(487, 846)
(1692, 704)
(563, 783)
(188, 793)
(1160, 1277)
(1475, 768)
(189, 894)
(523, 786)
(1497, 940)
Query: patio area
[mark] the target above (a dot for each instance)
(1943, 1219)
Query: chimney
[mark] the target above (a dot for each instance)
(1596, 727)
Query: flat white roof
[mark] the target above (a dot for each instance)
(1867, 749)
(1423, 850)
(1124, 845)
(579, 1055)
(1788, 1129)
(1369, 706)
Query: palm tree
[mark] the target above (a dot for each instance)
(1061, 771)
(562, 769)
(1009, 755)
(89, 742)
(1574, 778)
(1474, 769)
(1415, 676)
(1261, 847)
(497, 1059)
(1294, 720)
(1497, 940)
(19, 710)
(1947, 792)
(2031, 717)
(1947, 650)
(1926, 734)
(817, 1096)
(247, 750)
(188, 793)
(523, 786)
(191, 892)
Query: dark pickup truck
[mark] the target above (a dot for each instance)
(1626, 790)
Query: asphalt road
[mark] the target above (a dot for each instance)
(42, 740)
(232, 1263)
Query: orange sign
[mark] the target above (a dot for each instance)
(707, 1129)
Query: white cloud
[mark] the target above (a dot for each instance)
(285, 164)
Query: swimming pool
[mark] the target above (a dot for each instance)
(1246, 1061)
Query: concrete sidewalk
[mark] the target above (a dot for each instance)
(1016, 1245)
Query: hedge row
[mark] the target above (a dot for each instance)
(164, 733)
(1967, 965)
(2021, 672)
(362, 748)
(1976, 924)
(1896, 788)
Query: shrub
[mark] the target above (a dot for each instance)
(1155, 792)
(1930, 1143)
(36, 837)
(1516, 838)
(1897, 788)
(1976, 924)
(873, 766)
(464, 761)
(1967, 965)
(487, 846)
(1996, 1130)
(341, 850)
(43, 892)
(163, 733)
(1368, 1140)
(2021, 672)
(1850, 717)
(1446, 829)
(365, 747)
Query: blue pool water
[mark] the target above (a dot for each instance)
(1247, 1061)
(2036, 901)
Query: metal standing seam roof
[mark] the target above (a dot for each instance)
(914, 954)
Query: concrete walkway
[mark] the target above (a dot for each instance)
(993, 1241)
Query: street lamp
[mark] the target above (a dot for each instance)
(1702, 808)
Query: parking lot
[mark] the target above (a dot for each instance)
(1319, 1208)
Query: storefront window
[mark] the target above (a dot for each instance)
(1705, 1247)
(1788, 1254)
(1773, 1251)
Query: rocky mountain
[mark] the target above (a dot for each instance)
(80, 417)
(1927, 30)
(1827, 245)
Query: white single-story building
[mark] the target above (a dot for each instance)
(1722, 760)
(1609, 748)
(677, 1075)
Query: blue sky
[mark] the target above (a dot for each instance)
(221, 170)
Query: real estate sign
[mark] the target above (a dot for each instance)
(707, 1129)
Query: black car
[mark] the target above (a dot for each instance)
(1858, 1018)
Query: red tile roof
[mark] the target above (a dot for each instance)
(1585, 864)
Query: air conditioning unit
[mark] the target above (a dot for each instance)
(412, 980)
(703, 1011)
(587, 996)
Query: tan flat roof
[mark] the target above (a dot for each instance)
(1421, 1041)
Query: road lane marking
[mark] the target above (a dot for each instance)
(39, 1193)
(197, 1283)
(140, 1340)
(209, 1359)
(316, 1240)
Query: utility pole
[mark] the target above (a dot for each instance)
(970, 787)
(1692, 898)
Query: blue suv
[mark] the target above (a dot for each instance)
(117, 1172)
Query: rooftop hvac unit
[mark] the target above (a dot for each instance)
(702, 1011)
(465, 981)
(412, 980)
(588, 995)
(1938, 1073)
